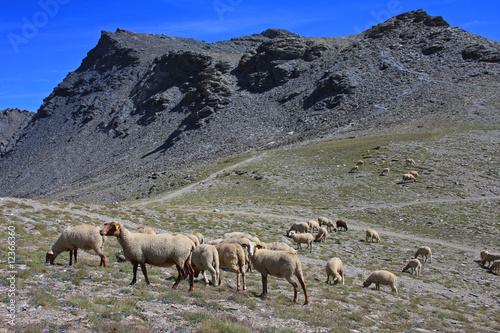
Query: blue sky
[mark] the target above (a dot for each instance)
(42, 40)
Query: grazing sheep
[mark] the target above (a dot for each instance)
(86, 237)
(495, 267)
(385, 172)
(382, 277)
(241, 240)
(415, 266)
(489, 258)
(163, 250)
(335, 269)
(354, 169)
(280, 264)
(341, 225)
(303, 239)
(483, 254)
(372, 235)
(205, 257)
(360, 163)
(197, 234)
(193, 238)
(326, 221)
(321, 235)
(425, 252)
(146, 230)
(313, 225)
(302, 227)
(414, 173)
(408, 176)
(280, 246)
(232, 257)
(410, 161)
(215, 241)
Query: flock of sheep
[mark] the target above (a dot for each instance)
(410, 176)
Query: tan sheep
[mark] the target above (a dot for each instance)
(163, 250)
(241, 240)
(313, 225)
(303, 239)
(280, 246)
(200, 237)
(86, 237)
(241, 234)
(354, 169)
(280, 264)
(232, 257)
(410, 161)
(146, 230)
(301, 227)
(193, 238)
(327, 222)
(321, 235)
(489, 258)
(335, 269)
(360, 163)
(414, 173)
(409, 177)
(495, 267)
(384, 278)
(483, 254)
(206, 257)
(372, 235)
(415, 266)
(425, 252)
(385, 172)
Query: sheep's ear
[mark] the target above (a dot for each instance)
(245, 245)
(117, 226)
(258, 246)
(50, 252)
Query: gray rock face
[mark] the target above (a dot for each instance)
(142, 103)
(12, 123)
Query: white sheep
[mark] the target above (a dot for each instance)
(495, 267)
(280, 246)
(313, 225)
(163, 250)
(489, 258)
(410, 177)
(483, 254)
(321, 235)
(280, 264)
(232, 257)
(86, 237)
(335, 269)
(410, 161)
(193, 238)
(382, 277)
(415, 266)
(303, 239)
(201, 238)
(206, 257)
(354, 169)
(425, 252)
(241, 234)
(215, 241)
(372, 235)
(414, 173)
(385, 172)
(241, 240)
(146, 230)
(302, 227)
(326, 221)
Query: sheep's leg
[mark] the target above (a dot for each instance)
(303, 285)
(212, 272)
(74, 253)
(179, 277)
(190, 271)
(327, 278)
(134, 270)
(264, 286)
(244, 279)
(103, 257)
(144, 271)
(70, 257)
(295, 286)
(377, 285)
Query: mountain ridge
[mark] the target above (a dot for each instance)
(142, 103)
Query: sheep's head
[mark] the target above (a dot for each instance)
(111, 229)
(366, 284)
(49, 257)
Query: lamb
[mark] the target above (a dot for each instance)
(146, 230)
(313, 225)
(372, 235)
(321, 235)
(415, 266)
(489, 258)
(280, 264)
(495, 267)
(354, 169)
(382, 277)
(232, 257)
(84, 237)
(410, 161)
(341, 225)
(410, 177)
(280, 246)
(206, 257)
(302, 227)
(335, 269)
(304, 239)
(385, 172)
(425, 252)
(163, 250)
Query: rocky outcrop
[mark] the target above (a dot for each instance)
(12, 124)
